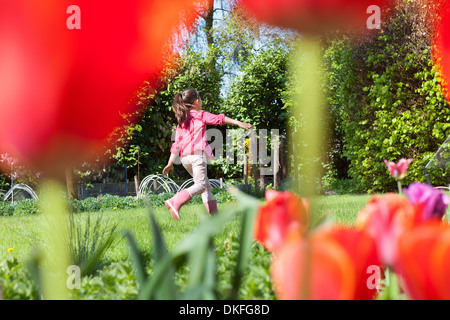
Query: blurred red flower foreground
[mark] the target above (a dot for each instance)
(338, 262)
(315, 16)
(63, 90)
(441, 45)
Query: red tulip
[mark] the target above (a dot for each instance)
(424, 261)
(441, 44)
(362, 250)
(385, 218)
(330, 263)
(316, 269)
(315, 16)
(62, 91)
(284, 215)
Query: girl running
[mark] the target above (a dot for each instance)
(190, 143)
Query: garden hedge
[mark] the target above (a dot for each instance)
(387, 102)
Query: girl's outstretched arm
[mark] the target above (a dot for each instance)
(240, 124)
(169, 167)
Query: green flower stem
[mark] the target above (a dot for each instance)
(308, 109)
(56, 255)
(399, 185)
(394, 291)
(391, 290)
(308, 137)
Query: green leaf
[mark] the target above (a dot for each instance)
(250, 206)
(160, 247)
(167, 290)
(137, 259)
(33, 266)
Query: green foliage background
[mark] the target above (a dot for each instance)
(153, 133)
(259, 95)
(386, 102)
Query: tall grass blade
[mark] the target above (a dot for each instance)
(167, 290)
(88, 243)
(203, 235)
(137, 259)
(250, 205)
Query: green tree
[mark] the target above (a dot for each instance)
(224, 43)
(260, 95)
(153, 133)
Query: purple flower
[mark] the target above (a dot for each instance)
(433, 202)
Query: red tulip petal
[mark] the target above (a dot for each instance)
(362, 250)
(283, 216)
(440, 265)
(385, 218)
(272, 194)
(314, 16)
(62, 91)
(441, 48)
(417, 261)
(317, 270)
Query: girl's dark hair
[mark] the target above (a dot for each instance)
(183, 102)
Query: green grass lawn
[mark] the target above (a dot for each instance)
(342, 209)
(22, 233)
(115, 278)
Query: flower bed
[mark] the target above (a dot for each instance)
(103, 203)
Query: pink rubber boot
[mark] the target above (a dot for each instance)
(211, 207)
(176, 202)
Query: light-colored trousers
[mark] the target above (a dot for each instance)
(195, 164)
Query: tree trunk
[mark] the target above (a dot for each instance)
(209, 24)
(70, 183)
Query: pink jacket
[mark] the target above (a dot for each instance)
(190, 137)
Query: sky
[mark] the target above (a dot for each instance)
(198, 42)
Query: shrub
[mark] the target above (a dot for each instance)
(104, 203)
(6, 208)
(15, 281)
(114, 282)
(26, 206)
